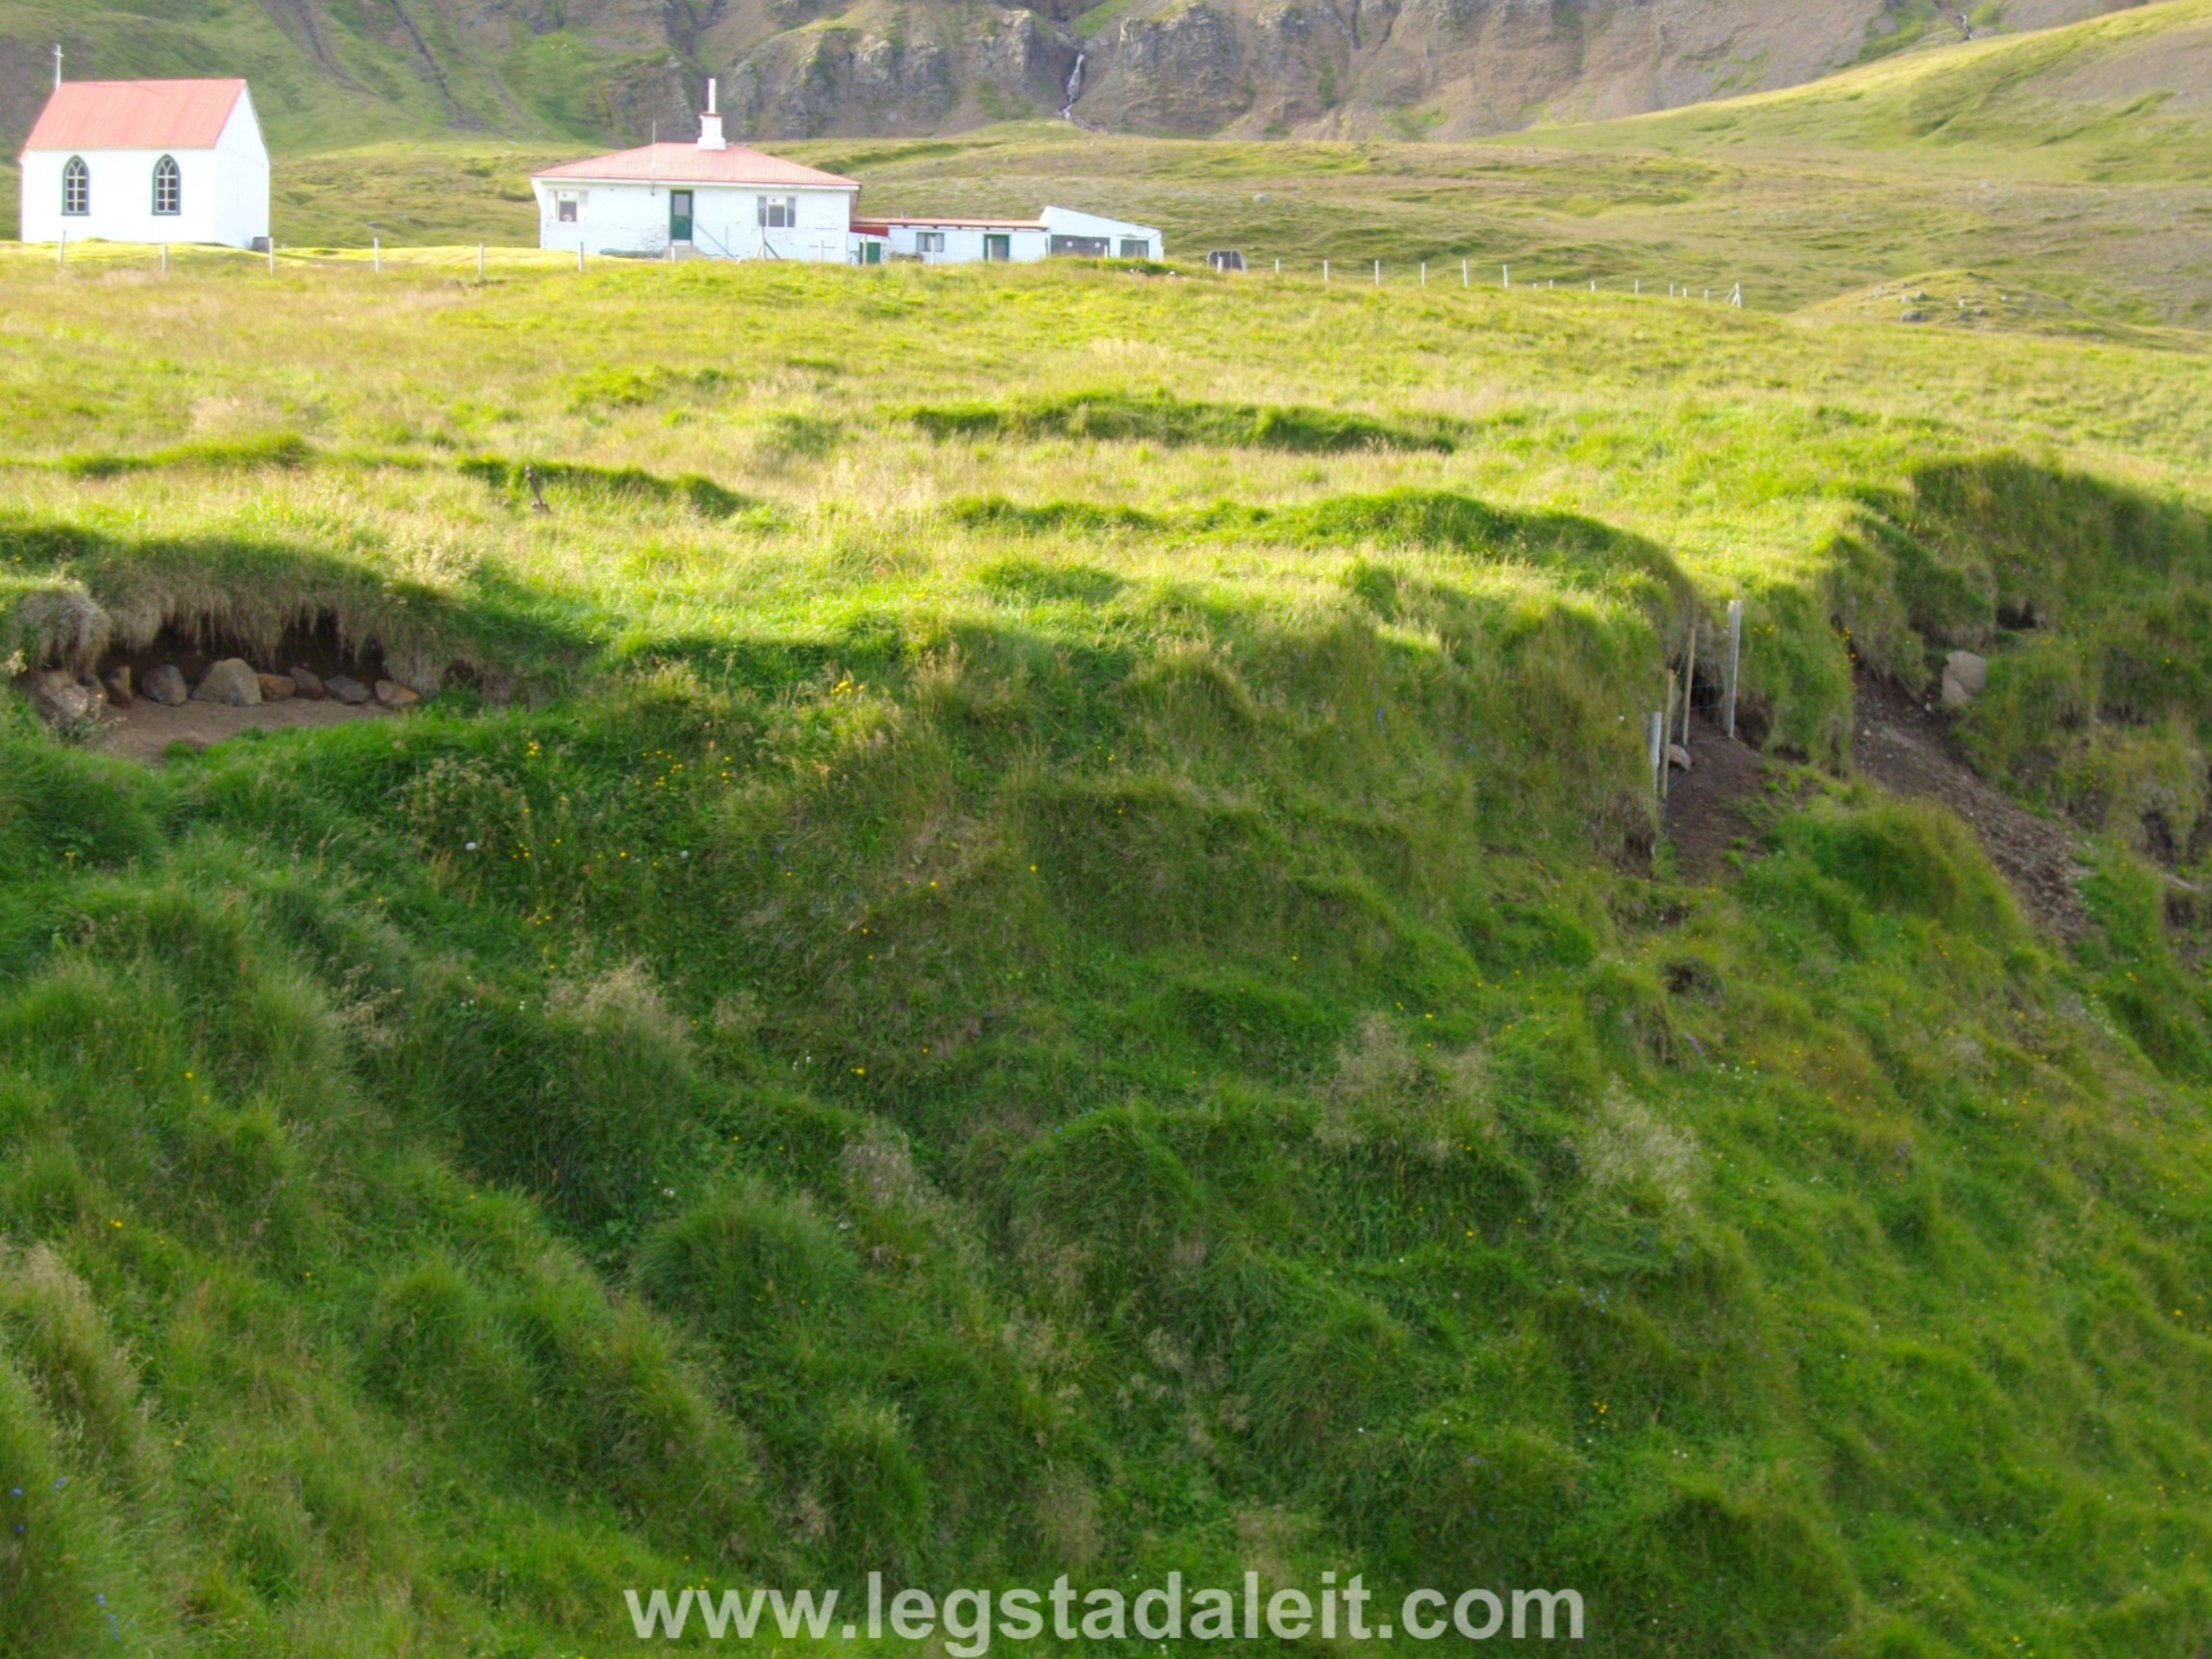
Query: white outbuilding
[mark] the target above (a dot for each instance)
(148, 162)
(711, 199)
(1056, 232)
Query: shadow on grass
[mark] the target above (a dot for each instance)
(1125, 417)
(104, 593)
(1582, 553)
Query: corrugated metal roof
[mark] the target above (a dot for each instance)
(952, 222)
(688, 164)
(134, 116)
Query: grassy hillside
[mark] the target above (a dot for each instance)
(1027, 934)
(2009, 157)
(342, 75)
(2126, 98)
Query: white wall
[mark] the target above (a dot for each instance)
(1068, 222)
(633, 219)
(225, 196)
(964, 243)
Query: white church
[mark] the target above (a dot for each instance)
(714, 199)
(148, 162)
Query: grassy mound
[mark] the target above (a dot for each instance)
(1103, 999)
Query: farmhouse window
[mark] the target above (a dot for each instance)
(929, 242)
(1135, 247)
(779, 213)
(566, 208)
(168, 188)
(76, 187)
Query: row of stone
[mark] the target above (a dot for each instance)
(64, 698)
(235, 682)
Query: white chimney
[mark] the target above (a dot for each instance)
(711, 125)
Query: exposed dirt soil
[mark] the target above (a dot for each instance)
(145, 730)
(1705, 820)
(1906, 746)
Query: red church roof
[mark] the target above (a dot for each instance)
(688, 164)
(135, 115)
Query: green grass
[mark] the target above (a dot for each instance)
(1016, 944)
(1928, 162)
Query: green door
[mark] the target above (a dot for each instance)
(679, 215)
(998, 248)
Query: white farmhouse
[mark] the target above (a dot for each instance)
(1056, 232)
(711, 199)
(148, 162)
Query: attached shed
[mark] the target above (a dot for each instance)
(953, 240)
(1093, 235)
(148, 162)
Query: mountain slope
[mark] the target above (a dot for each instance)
(610, 69)
(2119, 99)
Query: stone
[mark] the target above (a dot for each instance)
(276, 687)
(346, 690)
(231, 682)
(62, 698)
(1969, 670)
(1678, 757)
(394, 695)
(1955, 694)
(119, 683)
(305, 682)
(165, 686)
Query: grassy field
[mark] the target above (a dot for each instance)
(1027, 934)
(2070, 163)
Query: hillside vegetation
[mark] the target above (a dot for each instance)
(2059, 175)
(1028, 935)
(339, 76)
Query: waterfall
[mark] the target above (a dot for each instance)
(1074, 86)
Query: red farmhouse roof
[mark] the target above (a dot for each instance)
(135, 115)
(688, 164)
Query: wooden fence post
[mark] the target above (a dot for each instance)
(1690, 683)
(1735, 658)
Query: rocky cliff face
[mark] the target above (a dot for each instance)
(610, 70)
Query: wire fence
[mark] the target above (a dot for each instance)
(484, 263)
